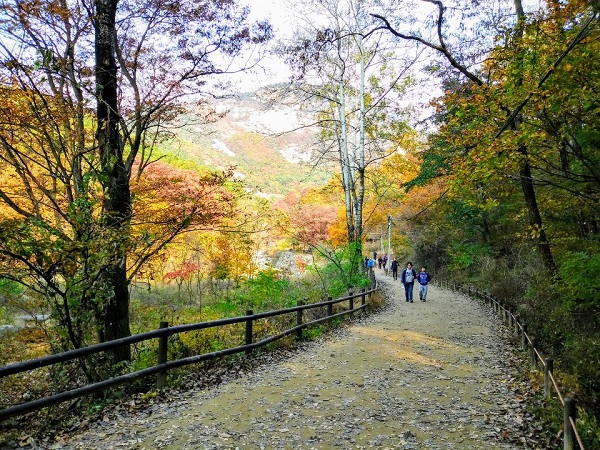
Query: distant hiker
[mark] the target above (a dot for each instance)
(385, 260)
(408, 281)
(380, 261)
(374, 256)
(423, 278)
(395, 269)
(371, 265)
(366, 262)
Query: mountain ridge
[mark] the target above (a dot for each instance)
(271, 145)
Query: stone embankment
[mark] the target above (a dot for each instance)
(433, 375)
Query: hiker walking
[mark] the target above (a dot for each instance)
(408, 281)
(395, 269)
(424, 278)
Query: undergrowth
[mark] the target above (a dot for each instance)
(266, 292)
(562, 313)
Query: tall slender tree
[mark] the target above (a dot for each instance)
(356, 86)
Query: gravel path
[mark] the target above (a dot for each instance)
(416, 376)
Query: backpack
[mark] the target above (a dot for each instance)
(408, 276)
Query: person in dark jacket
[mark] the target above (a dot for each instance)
(408, 281)
(395, 269)
(424, 279)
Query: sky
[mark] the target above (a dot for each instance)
(276, 11)
(275, 69)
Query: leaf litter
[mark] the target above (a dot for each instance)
(435, 375)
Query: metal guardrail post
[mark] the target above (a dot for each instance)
(548, 371)
(163, 347)
(532, 355)
(569, 433)
(249, 323)
(299, 320)
(524, 337)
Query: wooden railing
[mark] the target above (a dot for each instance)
(163, 334)
(529, 344)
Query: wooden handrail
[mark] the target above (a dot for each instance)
(163, 366)
(522, 328)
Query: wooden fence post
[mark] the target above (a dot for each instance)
(351, 303)
(532, 355)
(517, 324)
(299, 320)
(524, 337)
(329, 309)
(249, 333)
(363, 298)
(548, 370)
(569, 433)
(163, 346)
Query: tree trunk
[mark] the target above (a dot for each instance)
(535, 218)
(525, 177)
(345, 161)
(361, 149)
(117, 203)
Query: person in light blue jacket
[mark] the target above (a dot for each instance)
(408, 281)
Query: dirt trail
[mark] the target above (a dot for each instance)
(417, 376)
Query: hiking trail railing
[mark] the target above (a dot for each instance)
(529, 344)
(162, 334)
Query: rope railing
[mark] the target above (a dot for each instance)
(570, 433)
(538, 355)
(555, 384)
(579, 442)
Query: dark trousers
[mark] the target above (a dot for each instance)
(408, 291)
